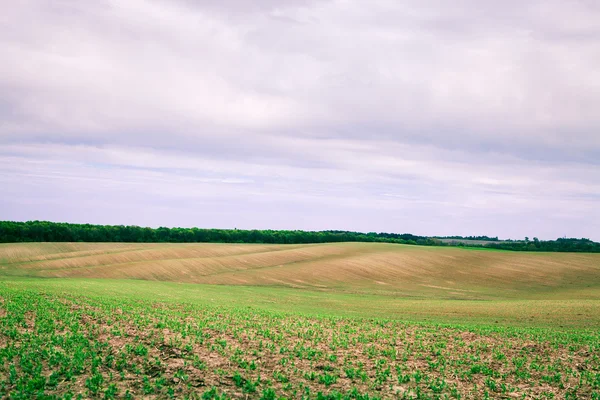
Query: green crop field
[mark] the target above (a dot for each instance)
(327, 321)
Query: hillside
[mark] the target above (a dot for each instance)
(375, 268)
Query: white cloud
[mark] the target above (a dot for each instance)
(476, 115)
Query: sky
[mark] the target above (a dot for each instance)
(468, 117)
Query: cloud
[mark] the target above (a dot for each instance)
(423, 116)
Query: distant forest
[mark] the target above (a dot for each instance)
(44, 231)
(486, 238)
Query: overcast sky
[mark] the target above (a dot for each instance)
(430, 117)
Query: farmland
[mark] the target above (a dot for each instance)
(343, 320)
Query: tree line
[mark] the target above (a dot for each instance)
(486, 238)
(561, 245)
(45, 231)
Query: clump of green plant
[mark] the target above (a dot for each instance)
(75, 345)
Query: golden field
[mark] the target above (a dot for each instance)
(377, 268)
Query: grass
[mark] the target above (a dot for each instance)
(85, 337)
(555, 314)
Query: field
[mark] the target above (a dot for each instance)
(469, 241)
(329, 321)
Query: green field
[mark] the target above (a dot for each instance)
(330, 321)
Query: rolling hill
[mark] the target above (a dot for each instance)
(375, 268)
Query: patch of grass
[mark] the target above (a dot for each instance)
(554, 314)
